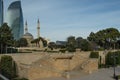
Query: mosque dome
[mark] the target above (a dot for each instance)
(28, 36)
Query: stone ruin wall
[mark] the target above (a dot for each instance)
(43, 65)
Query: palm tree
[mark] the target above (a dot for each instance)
(43, 41)
(37, 42)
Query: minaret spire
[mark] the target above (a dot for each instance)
(38, 28)
(26, 27)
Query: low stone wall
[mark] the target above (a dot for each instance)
(90, 66)
(36, 73)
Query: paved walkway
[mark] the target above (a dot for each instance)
(102, 74)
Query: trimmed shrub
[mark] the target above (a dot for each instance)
(71, 48)
(8, 67)
(52, 51)
(110, 58)
(94, 55)
(62, 50)
(9, 50)
(118, 76)
(12, 50)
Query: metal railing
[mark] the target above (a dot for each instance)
(3, 77)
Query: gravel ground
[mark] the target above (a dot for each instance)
(101, 74)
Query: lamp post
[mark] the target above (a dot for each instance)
(114, 58)
(114, 75)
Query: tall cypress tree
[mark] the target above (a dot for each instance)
(6, 37)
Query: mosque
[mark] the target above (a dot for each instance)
(30, 39)
(16, 23)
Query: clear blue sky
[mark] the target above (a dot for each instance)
(62, 18)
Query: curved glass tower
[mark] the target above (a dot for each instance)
(15, 19)
(1, 12)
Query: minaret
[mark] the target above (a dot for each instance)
(26, 27)
(38, 28)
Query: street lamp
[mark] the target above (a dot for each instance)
(114, 58)
(114, 75)
(114, 64)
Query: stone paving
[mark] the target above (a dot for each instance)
(101, 74)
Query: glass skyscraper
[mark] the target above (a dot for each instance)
(1, 12)
(15, 19)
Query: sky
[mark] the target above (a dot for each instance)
(60, 19)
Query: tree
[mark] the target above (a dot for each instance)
(6, 37)
(106, 38)
(8, 67)
(78, 42)
(85, 45)
(22, 42)
(71, 41)
(118, 44)
(71, 44)
(43, 41)
(37, 41)
(94, 55)
(52, 45)
(92, 37)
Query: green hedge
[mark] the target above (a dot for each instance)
(53, 51)
(8, 67)
(62, 50)
(94, 55)
(110, 58)
(71, 48)
(118, 76)
(9, 50)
